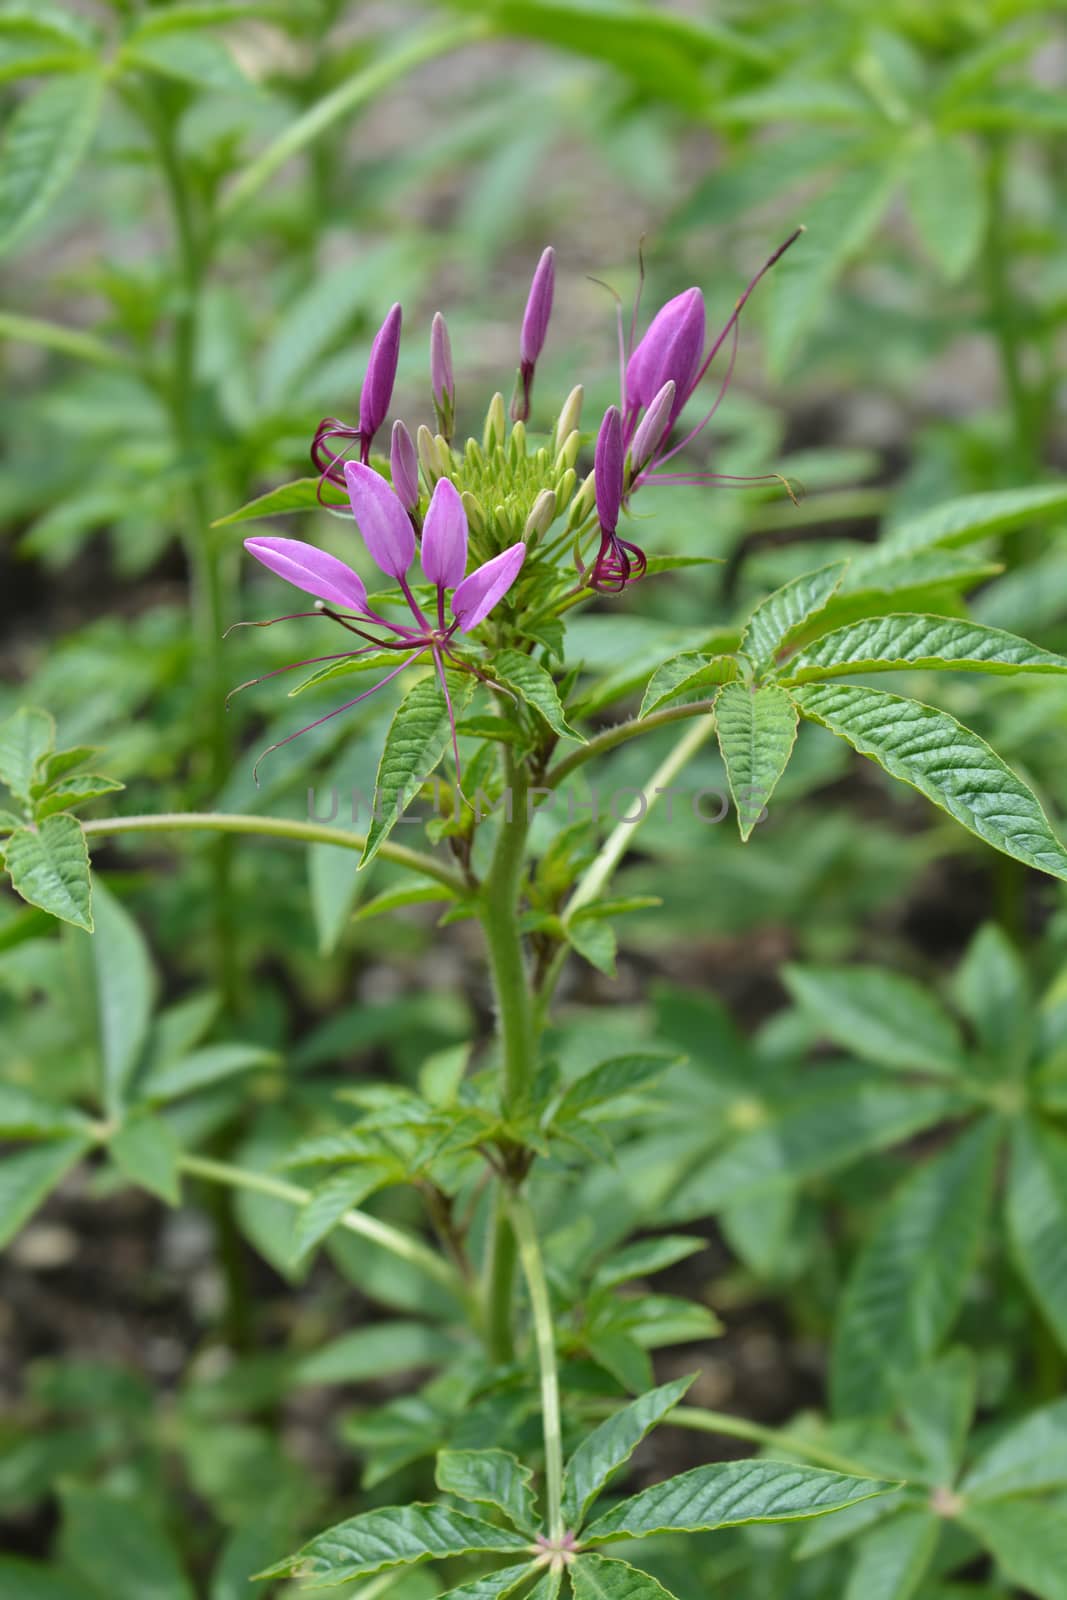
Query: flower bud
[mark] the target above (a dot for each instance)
(404, 467)
(570, 418)
(517, 443)
(533, 331)
(377, 388)
(568, 452)
(652, 429)
(671, 349)
(542, 515)
(608, 469)
(441, 378)
(583, 503)
(496, 425)
(475, 515)
(428, 457)
(566, 487)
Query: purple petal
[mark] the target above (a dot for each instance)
(442, 380)
(671, 349)
(478, 594)
(538, 308)
(377, 388)
(311, 570)
(608, 463)
(653, 426)
(404, 466)
(381, 519)
(444, 536)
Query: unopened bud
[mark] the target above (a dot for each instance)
(608, 469)
(442, 380)
(475, 515)
(517, 443)
(428, 458)
(404, 467)
(378, 383)
(496, 425)
(652, 428)
(570, 418)
(568, 451)
(584, 502)
(566, 487)
(532, 335)
(542, 515)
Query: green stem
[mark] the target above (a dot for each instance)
(275, 828)
(390, 1238)
(500, 1286)
(611, 738)
(345, 99)
(500, 921)
(522, 1220)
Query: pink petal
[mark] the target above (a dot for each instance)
(311, 570)
(444, 536)
(478, 594)
(671, 349)
(381, 519)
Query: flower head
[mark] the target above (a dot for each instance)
(533, 331)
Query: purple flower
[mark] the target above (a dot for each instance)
(670, 351)
(653, 428)
(618, 562)
(388, 535)
(533, 331)
(404, 468)
(377, 388)
(442, 381)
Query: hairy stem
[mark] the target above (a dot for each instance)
(276, 828)
(522, 1220)
(390, 1238)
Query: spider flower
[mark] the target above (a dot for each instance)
(618, 562)
(342, 596)
(533, 331)
(374, 398)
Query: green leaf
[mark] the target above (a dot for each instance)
(607, 1449)
(44, 141)
(329, 1202)
(645, 1257)
(117, 1547)
(888, 643)
(839, 224)
(683, 679)
(1029, 1541)
(75, 792)
(124, 984)
(300, 495)
(946, 762)
(190, 57)
(976, 516)
(375, 1352)
(1028, 1458)
(1037, 1217)
(909, 1282)
(334, 877)
(604, 1083)
(879, 1015)
(392, 1537)
(418, 737)
(775, 618)
(29, 1580)
(757, 729)
(534, 684)
(200, 1068)
(819, 1132)
(379, 661)
(28, 1176)
(494, 1585)
(622, 1358)
(25, 739)
(146, 1152)
(893, 1559)
(729, 1493)
(547, 1589)
(49, 867)
(594, 941)
(993, 992)
(490, 1478)
(947, 201)
(396, 899)
(938, 1405)
(600, 1578)
(27, 1116)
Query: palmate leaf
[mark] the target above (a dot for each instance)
(888, 643)
(494, 1586)
(910, 1279)
(684, 679)
(946, 762)
(1028, 1538)
(727, 1494)
(603, 1452)
(938, 1406)
(43, 143)
(882, 1016)
(28, 1176)
(24, 1115)
(976, 516)
(1027, 1459)
(418, 737)
(1037, 1217)
(26, 738)
(947, 201)
(394, 1536)
(756, 729)
(490, 1478)
(775, 618)
(536, 686)
(120, 1549)
(49, 868)
(602, 1578)
(893, 1558)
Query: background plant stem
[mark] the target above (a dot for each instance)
(522, 1220)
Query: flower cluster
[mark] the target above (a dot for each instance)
(496, 496)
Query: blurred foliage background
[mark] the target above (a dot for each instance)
(206, 210)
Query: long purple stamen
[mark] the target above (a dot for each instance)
(330, 714)
(739, 307)
(312, 661)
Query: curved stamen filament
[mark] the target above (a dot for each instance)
(331, 714)
(312, 661)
